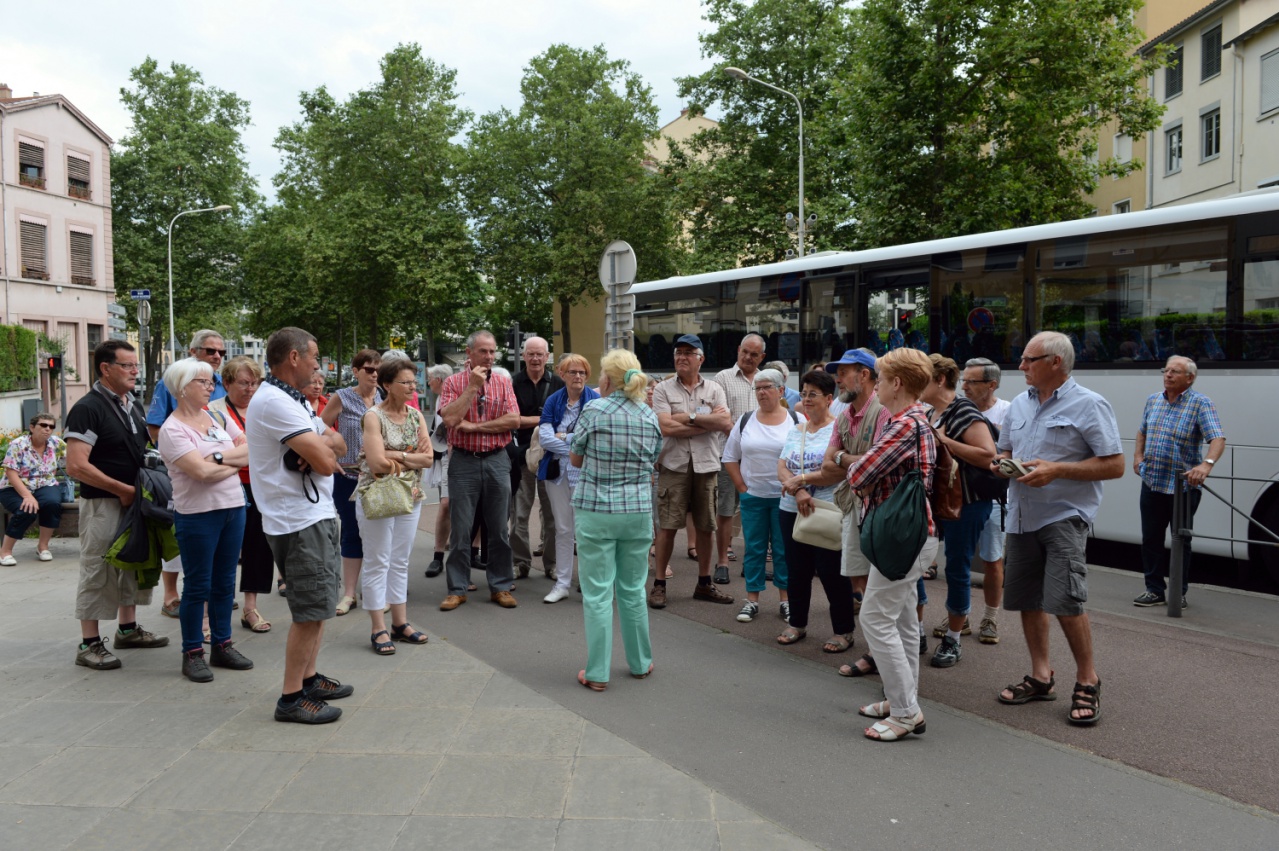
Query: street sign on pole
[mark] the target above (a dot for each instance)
(617, 274)
(140, 295)
(144, 313)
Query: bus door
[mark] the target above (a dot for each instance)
(895, 308)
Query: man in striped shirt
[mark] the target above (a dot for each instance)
(480, 411)
(1174, 426)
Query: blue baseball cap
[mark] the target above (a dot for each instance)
(852, 357)
(689, 340)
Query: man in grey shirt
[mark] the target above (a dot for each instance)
(1067, 437)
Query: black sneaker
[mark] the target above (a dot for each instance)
(1150, 598)
(923, 645)
(783, 609)
(226, 656)
(327, 688)
(194, 668)
(435, 568)
(721, 574)
(948, 653)
(306, 710)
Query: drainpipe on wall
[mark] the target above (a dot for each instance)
(4, 225)
(1150, 156)
(1237, 117)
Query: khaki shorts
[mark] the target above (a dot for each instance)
(102, 589)
(311, 561)
(682, 492)
(726, 502)
(852, 562)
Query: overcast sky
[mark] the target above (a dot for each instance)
(268, 51)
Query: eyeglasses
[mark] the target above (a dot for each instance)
(977, 380)
(369, 370)
(211, 352)
(1167, 371)
(409, 383)
(580, 373)
(759, 387)
(203, 382)
(247, 385)
(127, 367)
(812, 396)
(687, 353)
(1025, 359)
(44, 425)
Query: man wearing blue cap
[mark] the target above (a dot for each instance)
(693, 413)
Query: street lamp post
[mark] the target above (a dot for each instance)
(173, 340)
(739, 74)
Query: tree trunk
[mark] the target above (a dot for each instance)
(566, 336)
(430, 348)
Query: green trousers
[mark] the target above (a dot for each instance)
(612, 560)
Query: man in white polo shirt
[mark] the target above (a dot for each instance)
(292, 456)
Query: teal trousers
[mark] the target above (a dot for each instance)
(612, 561)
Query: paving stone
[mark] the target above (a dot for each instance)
(632, 788)
(163, 725)
(254, 728)
(726, 809)
(536, 732)
(430, 833)
(759, 836)
(24, 826)
(381, 784)
(413, 690)
(90, 777)
(164, 830)
(320, 832)
(439, 656)
(628, 835)
(50, 722)
(21, 683)
(228, 688)
(510, 786)
(235, 781)
(134, 686)
(411, 731)
(16, 760)
(596, 741)
(505, 692)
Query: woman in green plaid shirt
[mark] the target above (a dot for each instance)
(616, 443)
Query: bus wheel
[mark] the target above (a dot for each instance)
(1266, 514)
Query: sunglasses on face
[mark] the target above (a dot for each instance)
(369, 370)
(211, 352)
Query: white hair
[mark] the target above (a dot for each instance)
(1057, 344)
(1192, 368)
(772, 376)
(199, 338)
(541, 340)
(502, 371)
(440, 371)
(182, 372)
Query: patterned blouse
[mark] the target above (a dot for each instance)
(37, 471)
(350, 425)
(620, 440)
(396, 437)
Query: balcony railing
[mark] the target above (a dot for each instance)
(81, 192)
(35, 274)
(30, 180)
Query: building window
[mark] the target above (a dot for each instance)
(1172, 74)
(1210, 53)
(1173, 162)
(1124, 206)
(30, 162)
(78, 176)
(33, 239)
(93, 334)
(1270, 82)
(81, 240)
(1211, 124)
(1122, 148)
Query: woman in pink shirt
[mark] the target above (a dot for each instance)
(204, 458)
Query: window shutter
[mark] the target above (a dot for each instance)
(30, 152)
(1210, 45)
(1172, 74)
(77, 175)
(81, 257)
(1270, 82)
(33, 239)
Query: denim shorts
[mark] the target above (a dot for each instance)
(1045, 570)
(312, 566)
(990, 546)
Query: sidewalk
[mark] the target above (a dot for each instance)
(435, 749)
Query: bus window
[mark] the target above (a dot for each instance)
(982, 303)
(896, 310)
(658, 324)
(1258, 330)
(766, 306)
(828, 320)
(1136, 296)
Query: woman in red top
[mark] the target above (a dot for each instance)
(315, 392)
(888, 612)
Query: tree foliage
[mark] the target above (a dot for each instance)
(736, 182)
(551, 184)
(370, 237)
(182, 152)
(965, 117)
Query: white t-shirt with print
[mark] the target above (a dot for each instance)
(274, 417)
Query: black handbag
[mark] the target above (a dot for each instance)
(895, 531)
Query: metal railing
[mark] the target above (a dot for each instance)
(1183, 533)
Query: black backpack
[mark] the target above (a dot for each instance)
(741, 424)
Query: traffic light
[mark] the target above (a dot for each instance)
(54, 363)
(513, 338)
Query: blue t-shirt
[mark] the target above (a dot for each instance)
(163, 403)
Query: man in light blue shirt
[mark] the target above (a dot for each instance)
(1067, 437)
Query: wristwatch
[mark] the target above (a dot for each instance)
(692, 417)
(217, 457)
(1209, 461)
(839, 458)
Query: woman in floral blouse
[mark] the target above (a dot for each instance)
(29, 489)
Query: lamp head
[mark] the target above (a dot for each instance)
(736, 73)
(222, 207)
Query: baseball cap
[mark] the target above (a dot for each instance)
(852, 357)
(690, 340)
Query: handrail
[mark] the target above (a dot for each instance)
(1183, 532)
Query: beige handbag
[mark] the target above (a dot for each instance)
(533, 455)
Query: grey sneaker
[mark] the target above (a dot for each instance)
(96, 656)
(783, 609)
(226, 656)
(1150, 598)
(195, 668)
(940, 629)
(948, 653)
(306, 710)
(749, 612)
(139, 637)
(327, 688)
(989, 632)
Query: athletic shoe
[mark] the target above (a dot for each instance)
(139, 637)
(1150, 598)
(327, 688)
(195, 668)
(989, 632)
(941, 628)
(948, 653)
(226, 656)
(784, 610)
(721, 574)
(306, 710)
(749, 612)
(96, 656)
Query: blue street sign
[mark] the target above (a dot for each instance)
(140, 295)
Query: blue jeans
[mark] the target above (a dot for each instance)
(961, 537)
(762, 525)
(1156, 517)
(352, 544)
(210, 546)
(50, 514)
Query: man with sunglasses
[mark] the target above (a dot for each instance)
(480, 411)
(980, 381)
(106, 441)
(207, 346)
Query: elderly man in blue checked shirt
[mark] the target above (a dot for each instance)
(1067, 437)
(1174, 427)
(616, 443)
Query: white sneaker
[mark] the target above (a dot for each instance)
(44, 555)
(556, 595)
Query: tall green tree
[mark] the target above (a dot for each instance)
(736, 182)
(371, 237)
(965, 117)
(551, 184)
(183, 152)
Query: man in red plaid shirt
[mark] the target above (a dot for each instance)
(479, 409)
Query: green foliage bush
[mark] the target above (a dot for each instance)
(17, 358)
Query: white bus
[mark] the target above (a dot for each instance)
(1129, 290)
